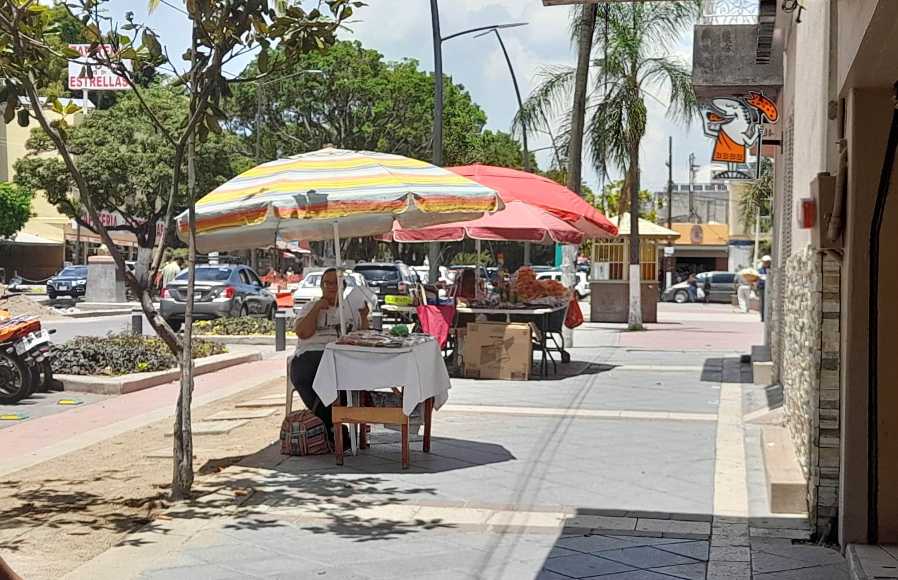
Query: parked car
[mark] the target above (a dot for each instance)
(221, 291)
(310, 287)
(423, 273)
(387, 278)
(71, 281)
(721, 288)
(582, 287)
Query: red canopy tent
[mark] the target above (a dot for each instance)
(518, 222)
(541, 192)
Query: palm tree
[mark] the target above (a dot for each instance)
(633, 56)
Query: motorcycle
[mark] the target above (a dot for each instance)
(24, 358)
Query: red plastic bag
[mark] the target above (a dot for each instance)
(574, 316)
(436, 321)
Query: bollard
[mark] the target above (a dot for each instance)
(137, 321)
(377, 320)
(280, 331)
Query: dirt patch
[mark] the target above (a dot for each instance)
(59, 514)
(21, 305)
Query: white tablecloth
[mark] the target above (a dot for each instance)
(420, 369)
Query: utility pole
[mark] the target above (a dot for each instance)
(692, 168)
(669, 181)
(433, 248)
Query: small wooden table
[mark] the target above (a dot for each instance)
(364, 415)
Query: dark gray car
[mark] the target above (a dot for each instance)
(721, 288)
(224, 291)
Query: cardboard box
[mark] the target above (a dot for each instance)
(498, 350)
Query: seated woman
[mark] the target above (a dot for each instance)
(317, 325)
(465, 287)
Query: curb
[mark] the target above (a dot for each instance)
(95, 313)
(247, 339)
(138, 381)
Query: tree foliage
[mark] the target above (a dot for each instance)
(15, 209)
(758, 195)
(609, 203)
(360, 101)
(640, 41)
(127, 162)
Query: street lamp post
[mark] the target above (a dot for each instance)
(433, 250)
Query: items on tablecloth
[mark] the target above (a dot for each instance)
(378, 339)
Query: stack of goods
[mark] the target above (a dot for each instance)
(375, 338)
(532, 291)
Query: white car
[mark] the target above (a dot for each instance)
(582, 286)
(423, 272)
(310, 287)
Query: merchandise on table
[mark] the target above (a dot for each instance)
(378, 339)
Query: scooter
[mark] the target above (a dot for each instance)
(24, 358)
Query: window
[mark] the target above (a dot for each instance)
(74, 272)
(379, 273)
(723, 278)
(254, 278)
(244, 277)
(312, 281)
(208, 275)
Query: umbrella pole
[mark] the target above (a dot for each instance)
(476, 266)
(353, 436)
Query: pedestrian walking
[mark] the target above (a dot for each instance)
(743, 292)
(692, 288)
(766, 262)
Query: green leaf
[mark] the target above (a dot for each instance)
(263, 61)
(71, 109)
(69, 52)
(151, 43)
(38, 8)
(56, 106)
(213, 124)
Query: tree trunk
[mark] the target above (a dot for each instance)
(182, 469)
(575, 151)
(634, 317)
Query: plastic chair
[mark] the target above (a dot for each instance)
(554, 333)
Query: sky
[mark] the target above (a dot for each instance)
(402, 29)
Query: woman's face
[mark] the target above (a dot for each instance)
(329, 287)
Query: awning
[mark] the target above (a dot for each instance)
(25, 239)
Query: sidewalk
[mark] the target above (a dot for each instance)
(44, 438)
(622, 471)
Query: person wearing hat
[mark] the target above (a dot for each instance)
(766, 262)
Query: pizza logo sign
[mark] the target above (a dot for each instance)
(735, 125)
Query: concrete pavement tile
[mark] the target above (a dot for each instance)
(813, 555)
(729, 571)
(730, 554)
(646, 557)
(762, 562)
(593, 544)
(638, 539)
(696, 550)
(601, 522)
(817, 573)
(685, 571)
(653, 525)
(585, 566)
(558, 551)
(634, 575)
(549, 575)
(232, 552)
(203, 572)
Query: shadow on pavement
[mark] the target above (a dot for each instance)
(726, 370)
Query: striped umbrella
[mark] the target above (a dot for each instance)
(333, 193)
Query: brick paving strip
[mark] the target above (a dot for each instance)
(576, 413)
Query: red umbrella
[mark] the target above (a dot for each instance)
(541, 192)
(518, 222)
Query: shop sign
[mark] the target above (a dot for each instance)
(736, 125)
(114, 219)
(101, 78)
(696, 235)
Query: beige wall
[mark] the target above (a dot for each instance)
(48, 222)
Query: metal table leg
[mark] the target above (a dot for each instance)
(545, 364)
